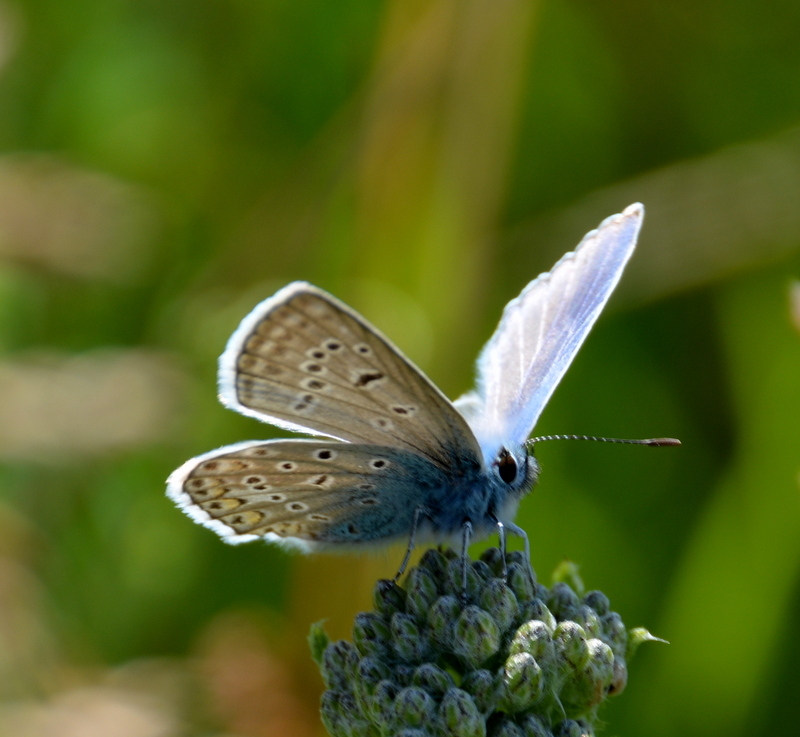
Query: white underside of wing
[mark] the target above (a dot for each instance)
(541, 331)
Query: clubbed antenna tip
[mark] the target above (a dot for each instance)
(662, 441)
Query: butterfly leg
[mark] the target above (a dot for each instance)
(466, 534)
(519, 532)
(418, 512)
(501, 536)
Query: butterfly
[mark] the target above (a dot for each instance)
(393, 457)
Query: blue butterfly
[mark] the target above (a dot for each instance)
(409, 463)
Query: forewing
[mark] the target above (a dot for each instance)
(306, 362)
(305, 493)
(542, 329)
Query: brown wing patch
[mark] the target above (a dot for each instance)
(312, 363)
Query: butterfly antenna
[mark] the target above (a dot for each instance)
(626, 441)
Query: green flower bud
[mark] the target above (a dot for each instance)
(414, 707)
(454, 580)
(533, 726)
(369, 674)
(435, 563)
(506, 728)
(523, 681)
(460, 715)
(421, 593)
(482, 570)
(433, 679)
(441, 618)
(614, 633)
(636, 637)
(584, 690)
(331, 713)
(409, 644)
(499, 599)
(587, 618)
(598, 601)
(476, 637)
(494, 559)
(520, 581)
(339, 662)
(381, 705)
(601, 663)
(620, 677)
(563, 601)
(536, 609)
(570, 642)
(341, 715)
(534, 638)
(484, 687)
(388, 598)
(518, 557)
(371, 635)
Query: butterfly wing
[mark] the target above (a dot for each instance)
(541, 331)
(305, 493)
(306, 362)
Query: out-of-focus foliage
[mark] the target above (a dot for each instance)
(166, 165)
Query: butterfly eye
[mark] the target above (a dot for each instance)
(507, 466)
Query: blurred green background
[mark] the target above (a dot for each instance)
(164, 166)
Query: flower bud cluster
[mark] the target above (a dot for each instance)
(517, 660)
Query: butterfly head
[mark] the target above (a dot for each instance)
(515, 469)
